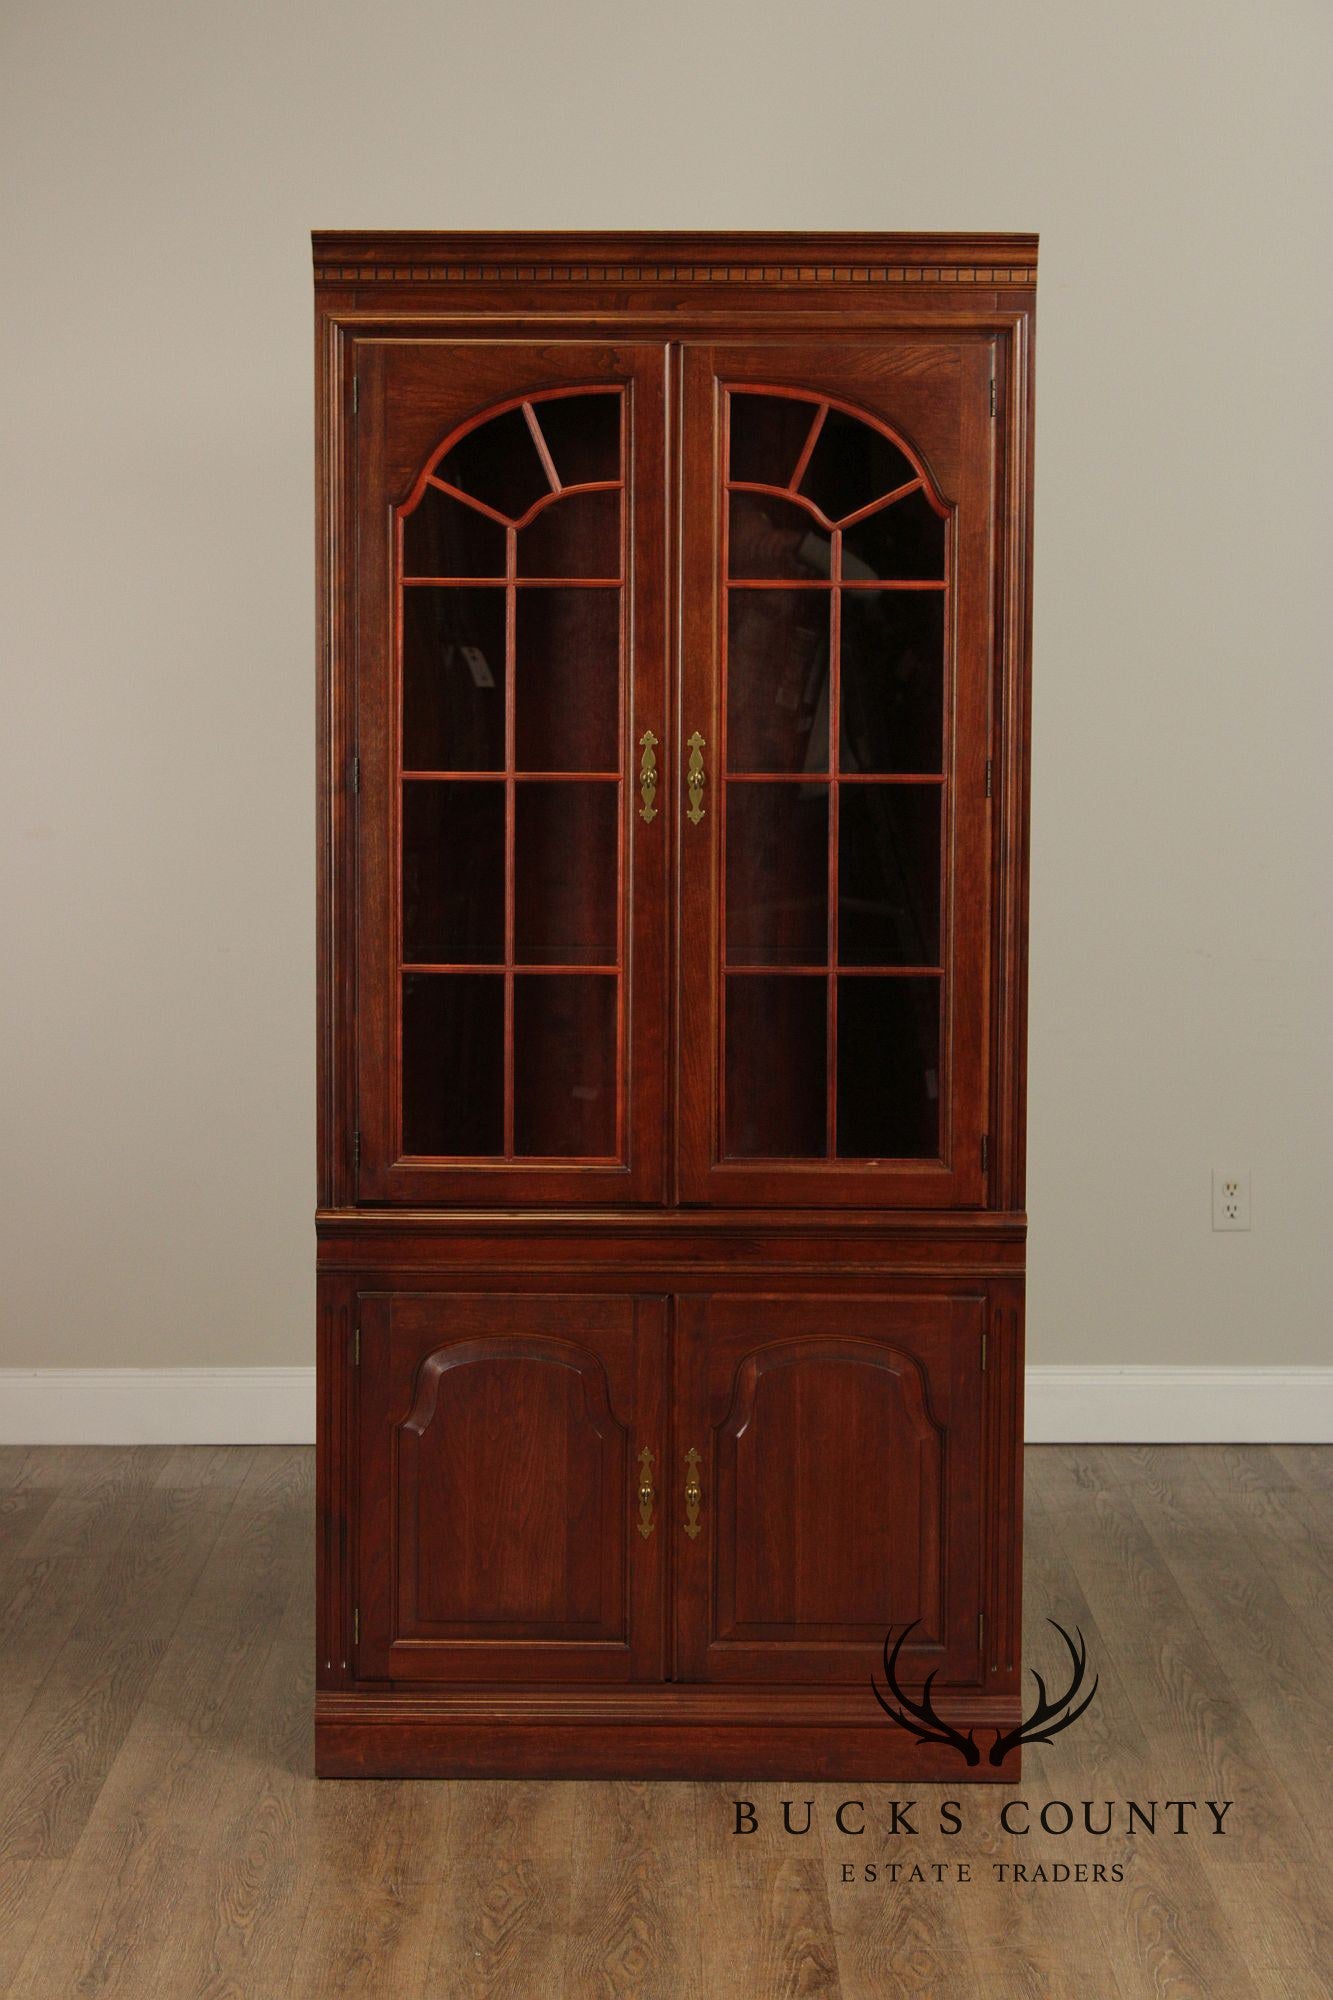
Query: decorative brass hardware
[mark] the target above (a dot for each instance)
(648, 776)
(693, 1494)
(646, 1494)
(694, 778)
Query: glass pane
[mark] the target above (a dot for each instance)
(565, 871)
(772, 537)
(564, 1064)
(453, 873)
(576, 536)
(453, 1063)
(768, 434)
(776, 1036)
(443, 537)
(498, 463)
(777, 874)
(892, 680)
(777, 680)
(888, 1069)
(582, 435)
(453, 679)
(902, 543)
(851, 465)
(889, 875)
(567, 687)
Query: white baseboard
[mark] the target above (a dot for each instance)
(277, 1405)
(1164, 1405)
(157, 1405)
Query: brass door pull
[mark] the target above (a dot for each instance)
(648, 776)
(693, 1494)
(694, 778)
(646, 1493)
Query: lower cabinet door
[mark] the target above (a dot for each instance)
(828, 1476)
(510, 1460)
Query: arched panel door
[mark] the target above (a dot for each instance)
(508, 1518)
(836, 663)
(511, 872)
(835, 1450)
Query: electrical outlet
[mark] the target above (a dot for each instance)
(1231, 1199)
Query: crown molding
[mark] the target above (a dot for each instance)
(671, 258)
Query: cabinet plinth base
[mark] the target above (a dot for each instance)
(649, 1735)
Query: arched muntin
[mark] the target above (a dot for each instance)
(557, 487)
(919, 477)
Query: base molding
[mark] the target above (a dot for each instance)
(1178, 1405)
(1065, 1405)
(661, 1732)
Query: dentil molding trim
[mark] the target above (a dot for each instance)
(1065, 1405)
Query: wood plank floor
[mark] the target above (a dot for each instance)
(161, 1833)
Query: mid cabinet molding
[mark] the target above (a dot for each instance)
(673, 637)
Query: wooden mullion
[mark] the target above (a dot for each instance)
(511, 684)
(811, 439)
(543, 450)
(834, 810)
(885, 500)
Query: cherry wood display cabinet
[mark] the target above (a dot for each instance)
(674, 637)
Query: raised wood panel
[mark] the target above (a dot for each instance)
(498, 1486)
(839, 1441)
(793, 1555)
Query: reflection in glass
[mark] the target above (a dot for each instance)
(902, 543)
(777, 874)
(888, 1068)
(498, 464)
(567, 680)
(851, 465)
(443, 537)
(892, 697)
(776, 1067)
(582, 434)
(565, 1064)
(889, 875)
(577, 535)
(767, 437)
(453, 1063)
(453, 872)
(774, 537)
(565, 873)
(777, 680)
(453, 679)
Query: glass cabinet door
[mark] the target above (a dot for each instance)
(510, 913)
(834, 852)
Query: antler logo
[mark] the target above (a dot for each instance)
(1047, 1719)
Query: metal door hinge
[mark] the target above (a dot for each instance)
(356, 776)
(356, 1348)
(981, 1630)
(985, 1152)
(983, 1353)
(990, 774)
(356, 1626)
(992, 395)
(356, 395)
(356, 1147)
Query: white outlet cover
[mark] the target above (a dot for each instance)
(1231, 1198)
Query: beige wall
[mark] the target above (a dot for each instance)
(170, 158)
